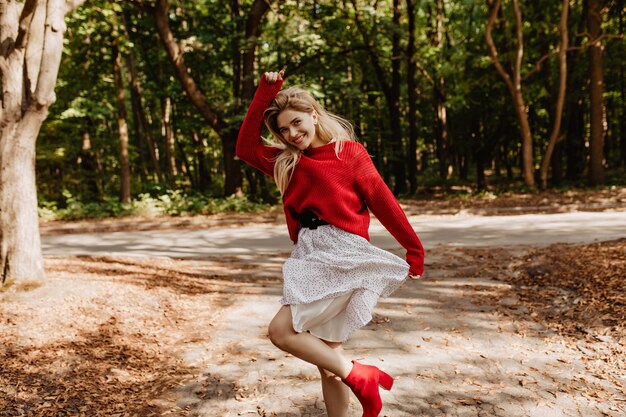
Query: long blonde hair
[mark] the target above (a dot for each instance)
(329, 127)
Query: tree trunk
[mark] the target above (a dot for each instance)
(252, 31)
(122, 126)
(203, 182)
(20, 252)
(233, 182)
(244, 77)
(515, 88)
(556, 164)
(31, 45)
(253, 189)
(412, 93)
(622, 84)
(235, 13)
(574, 146)
(392, 97)
(596, 90)
(88, 166)
(168, 135)
(185, 168)
(440, 101)
(397, 152)
(480, 157)
(142, 127)
(556, 128)
(497, 161)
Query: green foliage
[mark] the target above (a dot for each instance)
(175, 203)
(172, 203)
(325, 51)
(74, 209)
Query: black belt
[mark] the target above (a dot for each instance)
(310, 220)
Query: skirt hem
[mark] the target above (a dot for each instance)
(329, 264)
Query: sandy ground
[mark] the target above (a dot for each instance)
(135, 336)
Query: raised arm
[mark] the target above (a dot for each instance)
(381, 201)
(250, 146)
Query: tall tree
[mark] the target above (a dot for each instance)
(596, 90)
(622, 85)
(122, 125)
(31, 45)
(514, 85)
(558, 114)
(439, 93)
(412, 96)
(391, 91)
(142, 127)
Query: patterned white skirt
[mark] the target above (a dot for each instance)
(333, 280)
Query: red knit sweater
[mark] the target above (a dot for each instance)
(339, 191)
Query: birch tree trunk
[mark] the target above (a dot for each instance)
(31, 45)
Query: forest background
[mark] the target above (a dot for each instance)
(150, 96)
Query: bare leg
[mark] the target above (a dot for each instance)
(336, 393)
(306, 346)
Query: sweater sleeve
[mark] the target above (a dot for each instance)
(250, 147)
(381, 201)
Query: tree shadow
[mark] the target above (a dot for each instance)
(224, 275)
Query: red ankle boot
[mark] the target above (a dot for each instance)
(363, 380)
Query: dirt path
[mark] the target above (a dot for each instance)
(459, 230)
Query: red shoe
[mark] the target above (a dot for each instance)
(364, 380)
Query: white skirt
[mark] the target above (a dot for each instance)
(333, 280)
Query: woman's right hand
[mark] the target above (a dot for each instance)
(273, 77)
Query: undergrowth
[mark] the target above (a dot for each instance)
(172, 203)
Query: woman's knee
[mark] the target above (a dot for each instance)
(280, 330)
(276, 335)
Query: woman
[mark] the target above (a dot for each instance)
(334, 277)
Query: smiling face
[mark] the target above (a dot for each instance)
(298, 128)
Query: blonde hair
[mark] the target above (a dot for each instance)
(329, 127)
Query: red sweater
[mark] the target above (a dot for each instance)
(339, 191)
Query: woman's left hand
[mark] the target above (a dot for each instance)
(414, 277)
